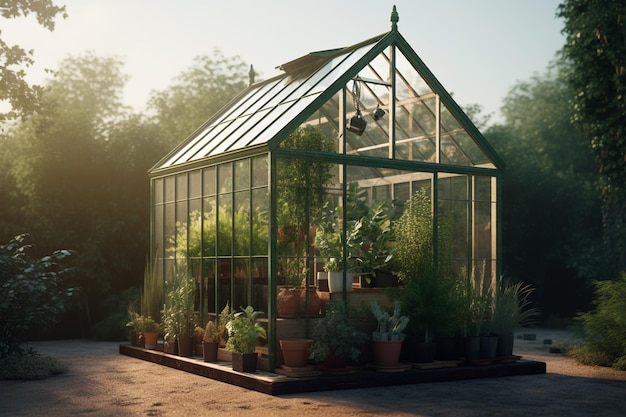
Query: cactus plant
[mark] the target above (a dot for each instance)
(389, 327)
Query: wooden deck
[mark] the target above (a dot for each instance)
(277, 384)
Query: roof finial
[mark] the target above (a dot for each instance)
(394, 18)
(251, 75)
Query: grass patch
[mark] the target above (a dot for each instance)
(30, 365)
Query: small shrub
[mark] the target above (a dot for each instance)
(29, 365)
(603, 328)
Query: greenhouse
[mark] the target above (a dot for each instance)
(301, 178)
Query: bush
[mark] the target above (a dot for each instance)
(31, 293)
(604, 328)
(29, 365)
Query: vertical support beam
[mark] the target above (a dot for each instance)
(272, 311)
(435, 211)
(392, 103)
(437, 128)
(471, 208)
(496, 221)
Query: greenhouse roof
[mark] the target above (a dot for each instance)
(267, 111)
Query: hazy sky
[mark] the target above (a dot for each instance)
(478, 49)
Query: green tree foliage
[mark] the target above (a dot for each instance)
(14, 89)
(596, 51)
(74, 172)
(32, 293)
(197, 94)
(551, 211)
(605, 326)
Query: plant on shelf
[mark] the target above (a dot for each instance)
(213, 334)
(335, 340)
(243, 332)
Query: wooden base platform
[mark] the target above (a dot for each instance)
(277, 384)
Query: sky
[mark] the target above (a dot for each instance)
(477, 49)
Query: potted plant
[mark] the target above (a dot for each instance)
(388, 336)
(296, 298)
(510, 311)
(428, 294)
(178, 312)
(330, 242)
(243, 332)
(213, 333)
(295, 351)
(335, 340)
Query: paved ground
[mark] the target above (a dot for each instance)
(103, 383)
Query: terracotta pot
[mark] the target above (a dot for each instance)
(386, 353)
(295, 351)
(151, 339)
(209, 350)
(289, 302)
(315, 302)
(244, 362)
(170, 347)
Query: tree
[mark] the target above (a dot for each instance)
(551, 210)
(596, 51)
(14, 89)
(199, 92)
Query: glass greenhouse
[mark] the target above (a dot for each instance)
(271, 191)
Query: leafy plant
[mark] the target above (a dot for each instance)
(244, 330)
(32, 295)
(177, 314)
(376, 235)
(335, 337)
(144, 324)
(511, 303)
(214, 330)
(604, 327)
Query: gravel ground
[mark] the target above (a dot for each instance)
(103, 383)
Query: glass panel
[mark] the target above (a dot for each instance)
(224, 283)
(225, 177)
(241, 241)
(157, 187)
(181, 229)
(225, 224)
(195, 228)
(208, 273)
(195, 184)
(181, 187)
(170, 229)
(259, 171)
(195, 269)
(241, 174)
(169, 189)
(210, 226)
(482, 230)
(260, 221)
(482, 188)
(158, 230)
(209, 183)
(241, 283)
(260, 279)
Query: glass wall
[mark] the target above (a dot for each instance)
(214, 223)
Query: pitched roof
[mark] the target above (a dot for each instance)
(267, 111)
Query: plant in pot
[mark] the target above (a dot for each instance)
(511, 309)
(295, 299)
(477, 298)
(388, 336)
(178, 312)
(330, 242)
(149, 328)
(428, 293)
(213, 334)
(243, 333)
(335, 340)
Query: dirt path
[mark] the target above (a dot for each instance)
(103, 383)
